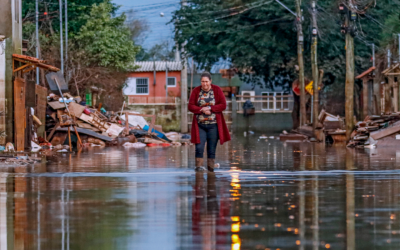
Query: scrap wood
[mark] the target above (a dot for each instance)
(56, 105)
(76, 109)
(86, 118)
(386, 132)
(87, 126)
(53, 131)
(88, 132)
(99, 122)
(36, 120)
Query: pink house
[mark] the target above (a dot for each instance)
(147, 83)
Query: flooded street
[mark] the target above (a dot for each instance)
(266, 195)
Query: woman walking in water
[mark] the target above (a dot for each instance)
(207, 103)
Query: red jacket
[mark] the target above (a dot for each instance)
(220, 105)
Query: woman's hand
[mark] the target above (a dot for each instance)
(208, 112)
(205, 109)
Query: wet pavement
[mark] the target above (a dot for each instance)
(266, 195)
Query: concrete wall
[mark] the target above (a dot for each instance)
(5, 18)
(159, 89)
(10, 16)
(168, 116)
(263, 123)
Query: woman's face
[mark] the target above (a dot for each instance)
(205, 84)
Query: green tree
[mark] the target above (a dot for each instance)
(100, 47)
(105, 40)
(159, 52)
(259, 37)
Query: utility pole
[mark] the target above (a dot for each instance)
(184, 87)
(373, 55)
(399, 47)
(388, 57)
(166, 81)
(349, 87)
(66, 37)
(37, 38)
(314, 65)
(61, 39)
(300, 40)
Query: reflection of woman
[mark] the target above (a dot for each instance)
(207, 103)
(208, 214)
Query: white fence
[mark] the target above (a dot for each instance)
(267, 104)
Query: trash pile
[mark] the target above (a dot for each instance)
(376, 130)
(327, 125)
(70, 122)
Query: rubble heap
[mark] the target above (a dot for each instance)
(376, 130)
(70, 121)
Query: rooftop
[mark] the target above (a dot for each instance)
(149, 66)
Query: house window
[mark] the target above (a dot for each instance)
(268, 101)
(142, 85)
(171, 81)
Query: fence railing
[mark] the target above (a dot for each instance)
(152, 100)
(266, 104)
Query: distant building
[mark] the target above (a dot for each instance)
(146, 84)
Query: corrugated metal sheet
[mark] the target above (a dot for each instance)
(148, 66)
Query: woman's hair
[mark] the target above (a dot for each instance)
(205, 74)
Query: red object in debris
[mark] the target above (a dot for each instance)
(165, 144)
(296, 87)
(119, 122)
(87, 111)
(152, 145)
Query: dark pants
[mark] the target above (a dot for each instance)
(208, 133)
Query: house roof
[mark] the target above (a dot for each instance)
(365, 73)
(33, 62)
(394, 70)
(148, 66)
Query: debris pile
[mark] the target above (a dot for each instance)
(71, 121)
(327, 125)
(376, 130)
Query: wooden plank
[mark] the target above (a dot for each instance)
(365, 100)
(19, 114)
(87, 126)
(56, 105)
(87, 132)
(386, 132)
(76, 109)
(53, 131)
(40, 110)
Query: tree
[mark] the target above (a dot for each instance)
(159, 52)
(105, 40)
(259, 37)
(101, 49)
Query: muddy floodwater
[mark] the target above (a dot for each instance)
(266, 195)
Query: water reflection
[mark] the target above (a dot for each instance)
(209, 214)
(267, 195)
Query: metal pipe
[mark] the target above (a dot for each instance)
(166, 82)
(66, 34)
(399, 47)
(61, 39)
(373, 55)
(37, 38)
(284, 6)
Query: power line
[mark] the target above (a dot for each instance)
(217, 18)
